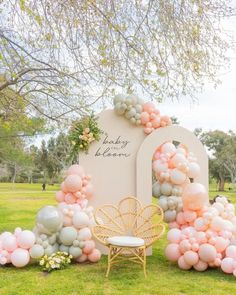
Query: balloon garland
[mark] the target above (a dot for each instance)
(201, 235)
(140, 113)
(65, 228)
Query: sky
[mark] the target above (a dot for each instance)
(216, 108)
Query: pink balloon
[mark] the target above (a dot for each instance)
(89, 246)
(144, 118)
(20, 257)
(174, 235)
(73, 183)
(207, 253)
(89, 190)
(67, 221)
(221, 244)
(191, 257)
(60, 196)
(190, 216)
(180, 218)
(184, 246)
(63, 187)
(200, 266)
(148, 107)
(194, 196)
(231, 252)
(9, 243)
(200, 225)
(147, 130)
(178, 159)
(168, 148)
(94, 256)
(82, 258)
(76, 169)
(172, 252)
(26, 239)
(227, 265)
(70, 198)
(201, 237)
(182, 264)
(195, 247)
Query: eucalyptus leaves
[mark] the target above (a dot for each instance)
(83, 132)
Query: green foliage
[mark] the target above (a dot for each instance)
(82, 133)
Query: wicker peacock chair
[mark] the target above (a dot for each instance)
(128, 229)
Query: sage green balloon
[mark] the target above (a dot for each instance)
(75, 251)
(64, 248)
(67, 235)
(36, 252)
(49, 220)
(156, 189)
(49, 250)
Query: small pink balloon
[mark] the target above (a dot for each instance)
(82, 258)
(70, 198)
(67, 221)
(201, 237)
(173, 224)
(89, 246)
(191, 257)
(184, 246)
(182, 264)
(200, 225)
(147, 130)
(94, 256)
(227, 265)
(195, 247)
(144, 118)
(172, 252)
(180, 218)
(200, 266)
(60, 196)
(207, 253)
(3, 260)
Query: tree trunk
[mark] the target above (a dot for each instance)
(222, 184)
(14, 174)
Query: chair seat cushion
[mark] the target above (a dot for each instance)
(126, 241)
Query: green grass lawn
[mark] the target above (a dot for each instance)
(18, 207)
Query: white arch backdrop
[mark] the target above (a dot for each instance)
(147, 149)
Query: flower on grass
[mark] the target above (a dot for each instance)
(58, 260)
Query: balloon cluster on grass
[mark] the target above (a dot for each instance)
(200, 235)
(140, 113)
(173, 167)
(15, 247)
(67, 228)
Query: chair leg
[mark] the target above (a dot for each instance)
(108, 262)
(144, 262)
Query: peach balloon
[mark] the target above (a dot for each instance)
(76, 169)
(184, 246)
(200, 225)
(194, 196)
(190, 216)
(172, 252)
(9, 243)
(82, 258)
(182, 264)
(89, 246)
(191, 257)
(200, 266)
(26, 239)
(63, 187)
(73, 183)
(207, 253)
(60, 196)
(148, 107)
(70, 198)
(94, 256)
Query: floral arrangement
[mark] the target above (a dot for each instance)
(83, 132)
(58, 260)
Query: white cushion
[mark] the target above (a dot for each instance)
(126, 241)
